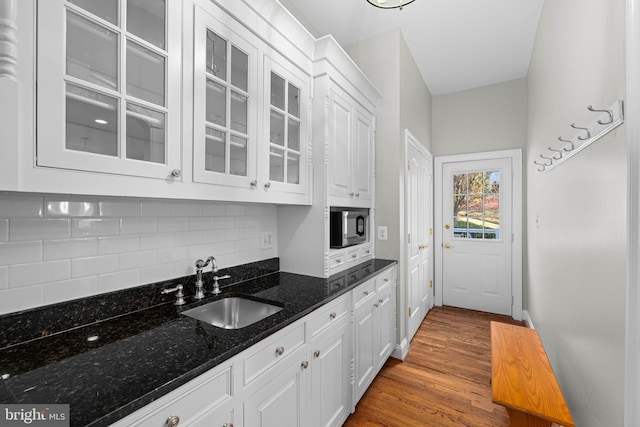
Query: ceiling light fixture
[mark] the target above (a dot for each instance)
(390, 4)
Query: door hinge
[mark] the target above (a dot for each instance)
(409, 311)
(431, 283)
(430, 231)
(409, 165)
(512, 238)
(513, 300)
(409, 238)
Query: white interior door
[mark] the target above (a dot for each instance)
(419, 233)
(477, 235)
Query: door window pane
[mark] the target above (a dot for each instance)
(294, 101)
(216, 103)
(476, 205)
(105, 9)
(215, 150)
(293, 135)
(145, 134)
(92, 52)
(277, 91)
(238, 156)
(145, 74)
(239, 105)
(293, 167)
(277, 129)
(146, 19)
(276, 164)
(239, 69)
(216, 55)
(91, 121)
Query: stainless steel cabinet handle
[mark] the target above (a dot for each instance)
(173, 421)
(365, 293)
(380, 301)
(352, 194)
(332, 315)
(267, 184)
(304, 364)
(253, 183)
(176, 173)
(376, 305)
(228, 425)
(357, 194)
(279, 351)
(354, 255)
(316, 354)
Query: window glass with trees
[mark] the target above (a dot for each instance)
(476, 205)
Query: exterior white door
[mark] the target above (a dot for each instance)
(419, 233)
(477, 235)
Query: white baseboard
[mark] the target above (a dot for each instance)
(527, 319)
(400, 352)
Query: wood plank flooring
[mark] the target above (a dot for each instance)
(443, 381)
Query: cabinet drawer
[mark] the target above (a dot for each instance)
(187, 401)
(365, 252)
(352, 256)
(271, 351)
(328, 315)
(336, 260)
(364, 292)
(385, 279)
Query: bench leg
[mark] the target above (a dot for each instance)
(521, 419)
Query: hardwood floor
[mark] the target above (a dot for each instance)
(443, 381)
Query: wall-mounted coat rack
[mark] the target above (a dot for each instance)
(606, 121)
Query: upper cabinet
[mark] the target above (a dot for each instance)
(161, 98)
(103, 99)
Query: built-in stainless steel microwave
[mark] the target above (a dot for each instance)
(348, 227)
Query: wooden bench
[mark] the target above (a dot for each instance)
(522, 379)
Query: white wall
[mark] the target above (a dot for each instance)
(56, 248)
(405, 103)
(488, 118)
(576, 212)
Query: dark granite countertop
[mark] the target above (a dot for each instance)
(108, 367)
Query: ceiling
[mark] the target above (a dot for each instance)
(457, 44)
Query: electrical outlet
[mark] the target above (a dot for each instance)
(266, 240)
(382, 232)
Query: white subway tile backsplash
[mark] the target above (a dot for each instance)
(20, 252)
(200, 223)
(113, 207)
(116, 244)
(16, 299)
(70, 248)
(95, 227)
(138, 225)
(172, 224)
(39, 229)
(156, 241)
(63, 206)
(130, 260)
(93, 266)
(119, 280)
(39, 272)
(66, 290)
(4, 230)
(16, 205)
(56, 248)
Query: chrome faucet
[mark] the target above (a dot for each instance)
(214, 271)
(200, 264)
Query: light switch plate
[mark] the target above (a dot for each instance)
(382, 232)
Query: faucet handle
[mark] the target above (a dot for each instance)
(179, 295)
(201, 263)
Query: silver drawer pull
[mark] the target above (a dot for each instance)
(228, 425)
(365, 293)
(304, 364)
(376, 305)
(316, 354)
(279, 351)
(332, 315)
(354, 256)
(173, 421)
(380, 301)
(386, 280)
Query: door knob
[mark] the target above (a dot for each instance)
(447, 226)
(448, 245)
(422, 246)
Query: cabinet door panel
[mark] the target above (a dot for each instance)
(363, 157)
(103, 99)
(340, 137)
(384, 314)
(366, 354)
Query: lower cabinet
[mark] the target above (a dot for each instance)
(309, 374)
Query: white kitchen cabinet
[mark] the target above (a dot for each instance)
(374, 307)
(351, 149)
(104, 102)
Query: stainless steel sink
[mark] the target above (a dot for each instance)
(233, 312)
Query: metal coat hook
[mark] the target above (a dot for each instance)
(541, 164)
(573, 125)
(567, 141)
(547, 158)
(557, 156)
(609, 112)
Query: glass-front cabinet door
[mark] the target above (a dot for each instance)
(225, 104)
(107, 98)
(286, 117)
